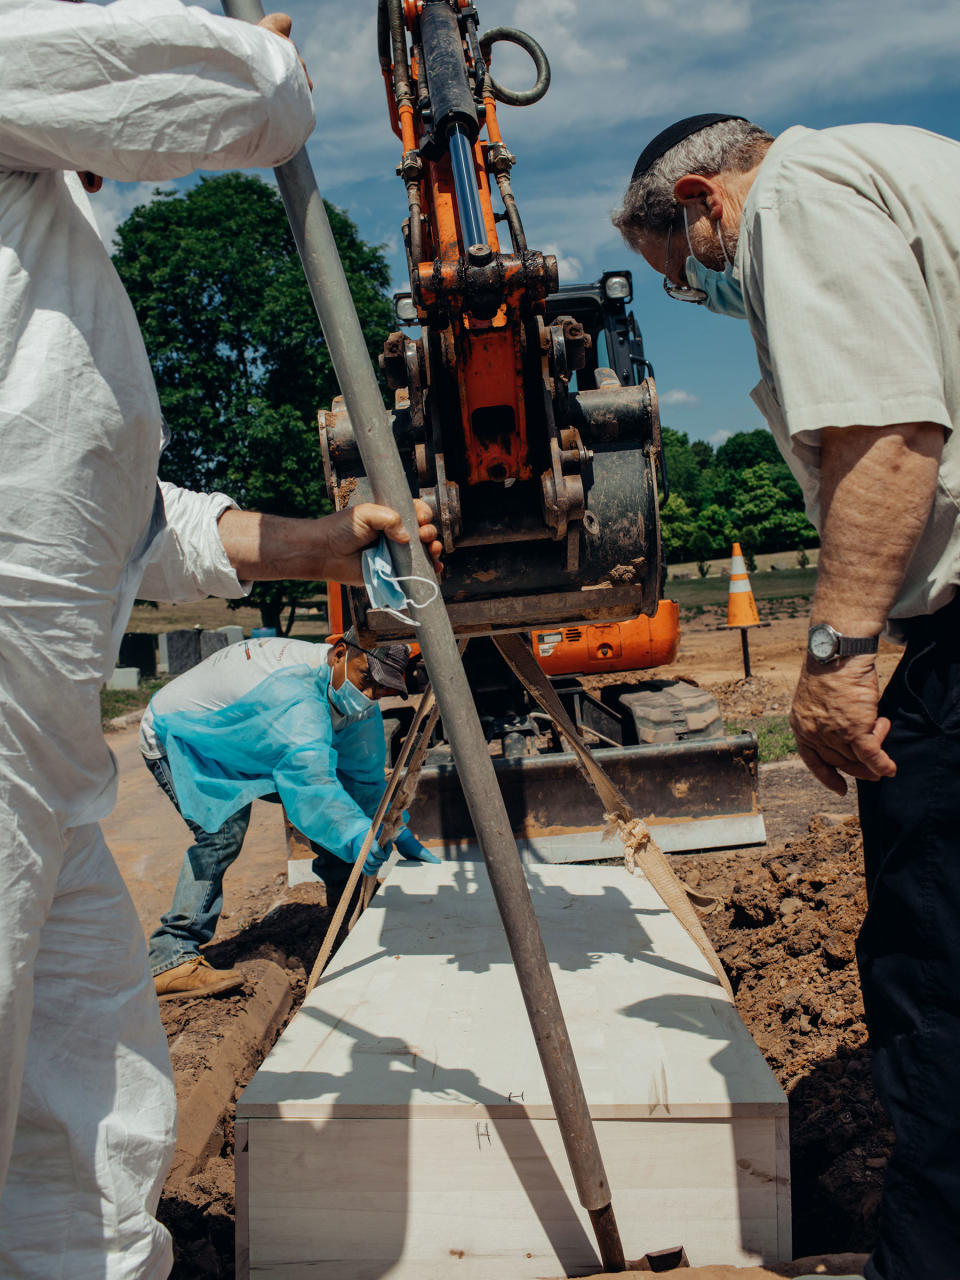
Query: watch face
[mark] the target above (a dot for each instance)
(823, 643)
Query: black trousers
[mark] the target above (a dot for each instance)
(909, 955)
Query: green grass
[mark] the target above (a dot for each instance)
(785, 584)
(775, 739)
(117, 702)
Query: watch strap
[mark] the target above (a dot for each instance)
(848, 645)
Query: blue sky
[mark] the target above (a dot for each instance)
(622, 70)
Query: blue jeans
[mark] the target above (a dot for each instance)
(198, 897)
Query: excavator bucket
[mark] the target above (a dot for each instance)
(661, 742)
(699, 794)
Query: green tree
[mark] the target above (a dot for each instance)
(677, 526)
(700, 549)
(766, 512)
(702, 450)
(684, 473)
(714, 522)
(239, 360)
(746, 449)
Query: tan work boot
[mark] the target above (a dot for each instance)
(195, 977)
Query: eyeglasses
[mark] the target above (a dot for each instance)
(679, 292)
(369, 684)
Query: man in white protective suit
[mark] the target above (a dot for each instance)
(135, 91)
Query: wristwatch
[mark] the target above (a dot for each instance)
(824, 643)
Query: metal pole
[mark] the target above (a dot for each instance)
(373, 429)
(745, 647)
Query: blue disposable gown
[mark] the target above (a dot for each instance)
(280, 738)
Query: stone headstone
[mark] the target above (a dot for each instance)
(233, 633)
(124, 678)
(163, 665)
(183, 651)
(139, 649)
(211, 642)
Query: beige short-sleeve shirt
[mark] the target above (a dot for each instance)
(849, 258)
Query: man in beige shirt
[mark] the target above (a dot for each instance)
(841, 248)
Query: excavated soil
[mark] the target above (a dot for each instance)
(786, 935)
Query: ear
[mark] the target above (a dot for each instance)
(695, 188)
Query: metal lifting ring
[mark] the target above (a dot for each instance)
(517, 97)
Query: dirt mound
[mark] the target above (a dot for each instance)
(786, 935)
(752, 699)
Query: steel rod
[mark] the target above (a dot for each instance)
(378, 449)
(465, 187)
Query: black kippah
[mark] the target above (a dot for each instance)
(673, 134)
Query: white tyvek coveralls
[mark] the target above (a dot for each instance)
(138, 90)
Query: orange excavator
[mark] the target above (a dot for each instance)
(526, 416)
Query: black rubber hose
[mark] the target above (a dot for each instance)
(517, 97)
(383, 36)
(398, 40)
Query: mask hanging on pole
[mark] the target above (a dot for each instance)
(383, 585)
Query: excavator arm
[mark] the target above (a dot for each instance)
(545, 496)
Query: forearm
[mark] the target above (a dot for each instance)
(267, 548)
(877, 488)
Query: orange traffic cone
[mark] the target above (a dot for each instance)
(741, 606)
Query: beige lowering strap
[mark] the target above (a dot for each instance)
(641, 851)
(396, 797)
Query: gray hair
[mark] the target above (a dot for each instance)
(650, 205)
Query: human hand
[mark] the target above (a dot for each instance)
(281, 25)
(835, 722)
(351, 530)
(375, 860)
(408, 846)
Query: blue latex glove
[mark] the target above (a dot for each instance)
(375, 858)
(408, 846)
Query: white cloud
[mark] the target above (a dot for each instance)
(569, 267)
(679, 397)
(719, 437)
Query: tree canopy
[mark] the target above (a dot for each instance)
(239, 360)
(743, 491)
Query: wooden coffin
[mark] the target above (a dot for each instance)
(402, 1127)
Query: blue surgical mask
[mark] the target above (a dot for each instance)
(349, 701)
(383, 586)
(724, 295)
